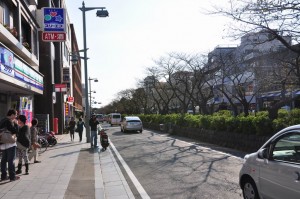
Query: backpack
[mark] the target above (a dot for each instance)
(5, 135)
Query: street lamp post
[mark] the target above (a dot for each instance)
(100, 13)
(90, 85)
(91, 101)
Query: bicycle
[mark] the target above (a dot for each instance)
(43, 143)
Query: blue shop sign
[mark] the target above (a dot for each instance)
(54, 20)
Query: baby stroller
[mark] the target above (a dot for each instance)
(103, 139)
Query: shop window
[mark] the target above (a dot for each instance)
(5, 14)
(66, 75)
(34, 43)
(26, 35)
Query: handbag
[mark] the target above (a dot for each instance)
(36, 145)
(6, 137)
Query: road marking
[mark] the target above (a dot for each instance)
(134, 180)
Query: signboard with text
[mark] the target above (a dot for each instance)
(54, 20)
(54, 25)
(70, 99)
(60, 87)
(54, 36)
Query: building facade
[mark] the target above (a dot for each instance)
(20, 78)
(30, 68)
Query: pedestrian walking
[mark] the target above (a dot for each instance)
(23, 144)
(80, 125)
(93, 124)
(34, 141)
(9, 149)
(72, 125)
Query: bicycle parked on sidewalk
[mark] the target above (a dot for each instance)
(43, 143)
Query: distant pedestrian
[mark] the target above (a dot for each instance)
(80, 125)
(93, 124)
(72, 125)
(23, 144)
(9, 149)
(34, 140)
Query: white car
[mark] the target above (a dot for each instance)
(131, 123)
(274, 170)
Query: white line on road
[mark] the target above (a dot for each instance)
(134, 180)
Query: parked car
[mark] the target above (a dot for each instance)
(131, 123)
(274, 170)
(114, 119)
(100, 117)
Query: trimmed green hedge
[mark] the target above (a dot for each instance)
(260, 124)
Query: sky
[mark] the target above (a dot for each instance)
(137, 32)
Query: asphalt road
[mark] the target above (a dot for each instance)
(178, 168)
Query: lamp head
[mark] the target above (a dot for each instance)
(102, 13)
(74, 59)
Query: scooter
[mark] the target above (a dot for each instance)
(104, 139)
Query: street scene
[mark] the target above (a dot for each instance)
(149, 99)
(183, 168)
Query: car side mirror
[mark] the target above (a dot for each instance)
(263, 153)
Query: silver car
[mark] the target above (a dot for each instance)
(131, 123)
(274, 170)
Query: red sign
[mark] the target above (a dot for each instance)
(54, 36)
(60, 87)
(67, 108)
(71, 99)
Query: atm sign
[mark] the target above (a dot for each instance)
(54, 36)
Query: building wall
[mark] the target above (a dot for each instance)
(20, 79)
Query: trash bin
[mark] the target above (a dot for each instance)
(55, 125)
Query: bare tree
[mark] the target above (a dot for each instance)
(194, 80)
(234, 78)
(280, 18)
(178, 78)
(160, 91)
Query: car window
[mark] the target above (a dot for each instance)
(287, 148)
(134, 121)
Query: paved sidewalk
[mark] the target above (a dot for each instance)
(70, 170)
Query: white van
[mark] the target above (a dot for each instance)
(115, 119)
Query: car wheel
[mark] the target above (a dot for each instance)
(249, 189)
(141, 131)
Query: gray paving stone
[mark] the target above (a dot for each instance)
(65, 174)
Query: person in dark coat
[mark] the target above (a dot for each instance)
(93, 124)
(72, 125)
(80, 125)
(9, 149)
(23, 144)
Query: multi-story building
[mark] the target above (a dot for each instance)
(30, 67)
(76, 78)
(251, 67)
(56, 65)
(20, 79)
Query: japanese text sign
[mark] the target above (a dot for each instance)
(54, 20)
